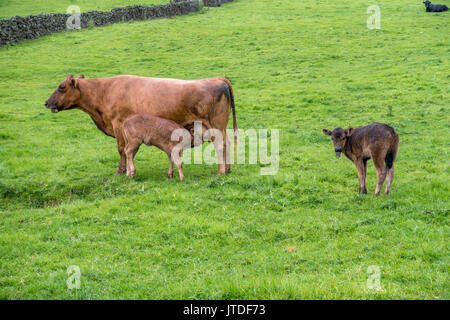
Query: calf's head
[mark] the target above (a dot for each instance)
(339, 137)
(66, 96)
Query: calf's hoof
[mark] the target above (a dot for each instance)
(120, 171)
(131, 174)
(363, 191)
(170, 175)
(181, 178)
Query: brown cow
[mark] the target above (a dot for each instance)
(109, 101)
(377, 141)
(154, 131)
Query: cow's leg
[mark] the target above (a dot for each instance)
(122, 163)
(226, 147)
(121, 149)
(361, 176)
(389, 179)
(219, 119)
(216, 136)
(381, 173)
(220, 146)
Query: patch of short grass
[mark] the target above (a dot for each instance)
(304, 233)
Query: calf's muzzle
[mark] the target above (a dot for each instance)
(338, 151)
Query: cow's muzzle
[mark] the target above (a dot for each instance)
(52, 108)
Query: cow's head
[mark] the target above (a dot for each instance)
(339, 137)
(66, 96)
(427, 3)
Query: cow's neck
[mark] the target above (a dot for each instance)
(91, 100)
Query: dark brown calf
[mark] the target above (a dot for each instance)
(154, 131)
(377, 141)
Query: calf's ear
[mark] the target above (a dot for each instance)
(349, 132)
(81, 76)
(326, 132)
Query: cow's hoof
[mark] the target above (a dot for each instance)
(131, 174)
(119, 172)
(170, 175)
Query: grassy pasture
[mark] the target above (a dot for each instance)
(296, 66)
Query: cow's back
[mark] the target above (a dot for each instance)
(173, 99)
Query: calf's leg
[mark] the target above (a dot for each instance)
(389, 179)
(381, 173)
(179, 165)
(170, 174)
(175, 156)
(364, 174)
(390, 158)
(361, 175)
(130, 151)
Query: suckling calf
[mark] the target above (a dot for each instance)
(155, 131)
(375, 141)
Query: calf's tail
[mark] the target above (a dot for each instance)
(389, 160)
(392, 153)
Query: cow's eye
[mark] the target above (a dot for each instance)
(62, 87)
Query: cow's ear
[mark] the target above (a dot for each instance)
(326, 132)
(81, 76)
(349, 132)
(74, 82)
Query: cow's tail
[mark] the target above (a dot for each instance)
(233, 109)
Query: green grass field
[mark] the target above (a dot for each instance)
(304, 233)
